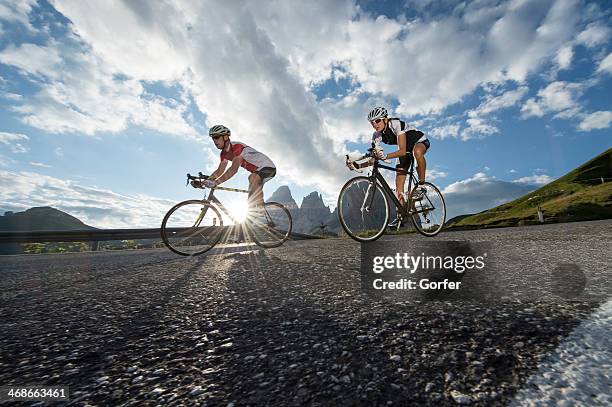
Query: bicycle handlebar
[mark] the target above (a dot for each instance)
(203, 177)
(370, 154)
(194, 178)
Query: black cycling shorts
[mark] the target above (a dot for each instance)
(266, 174)
(412, 136)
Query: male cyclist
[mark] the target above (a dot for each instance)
(394, 131)
(262, 169)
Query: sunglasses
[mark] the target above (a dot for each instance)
(216, 137)
(376, 121)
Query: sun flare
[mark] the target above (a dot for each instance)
(239, 209)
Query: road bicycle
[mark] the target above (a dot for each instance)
(195, 226)
(364, 208)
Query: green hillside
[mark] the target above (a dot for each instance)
(577, 196)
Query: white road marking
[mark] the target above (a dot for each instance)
(579, 372)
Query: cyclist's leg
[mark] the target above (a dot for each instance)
(419, 154)
(255, 190)
(400, 179)
(256, 181)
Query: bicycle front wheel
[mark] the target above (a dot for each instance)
(428, 209)
(363, 209)
(270, 227)
(192, 227)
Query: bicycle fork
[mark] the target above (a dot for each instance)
(365, 207)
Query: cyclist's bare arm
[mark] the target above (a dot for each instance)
(400, 152)
(401, 144)
(220, 170)
(236, 162)
(368, 163)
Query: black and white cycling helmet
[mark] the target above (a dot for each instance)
(219, 130)
(377, 113)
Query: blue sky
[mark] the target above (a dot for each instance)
(105, 106)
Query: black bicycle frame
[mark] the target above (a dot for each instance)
(376, 175)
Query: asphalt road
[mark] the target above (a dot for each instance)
(291, 326)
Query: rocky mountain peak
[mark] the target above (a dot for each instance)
(313, 200)
(283, 195)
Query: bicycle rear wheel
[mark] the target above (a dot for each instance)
(363, 209)
(270, 227)
(192, 227)
(429, 210)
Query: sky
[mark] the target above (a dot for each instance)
(105, 105)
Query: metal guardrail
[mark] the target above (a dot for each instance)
(94, 235)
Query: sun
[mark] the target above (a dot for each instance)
(239, 209)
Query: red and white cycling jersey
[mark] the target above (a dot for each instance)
(252, 160)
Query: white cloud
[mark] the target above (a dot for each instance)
(141, 40)
(564, 57)
(512, 171)
(443, 132)
(494, 103)
(478, 128)
(595, 121)
(11, 140)
(532, 108)
(434, 174)
(12, 96)
(480, 192)
(252, 66)
(606, 64)
(536, 33)
(555, 97)
(313, 53)
(6, 138)
(18, 148)
(17, 12)
(59, 152)
(94, 206)
(595, 34)
(237, 64)
(436, 60)
(80, 94)
(346, 119)
(535, 179)
(479, 177)
(6, 161)
(212, 160)
(34, 59)
(41, 165)
(479, 123)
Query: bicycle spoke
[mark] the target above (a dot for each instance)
(192, 227)
(271, 227)
(429, 212)
(363, 209)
